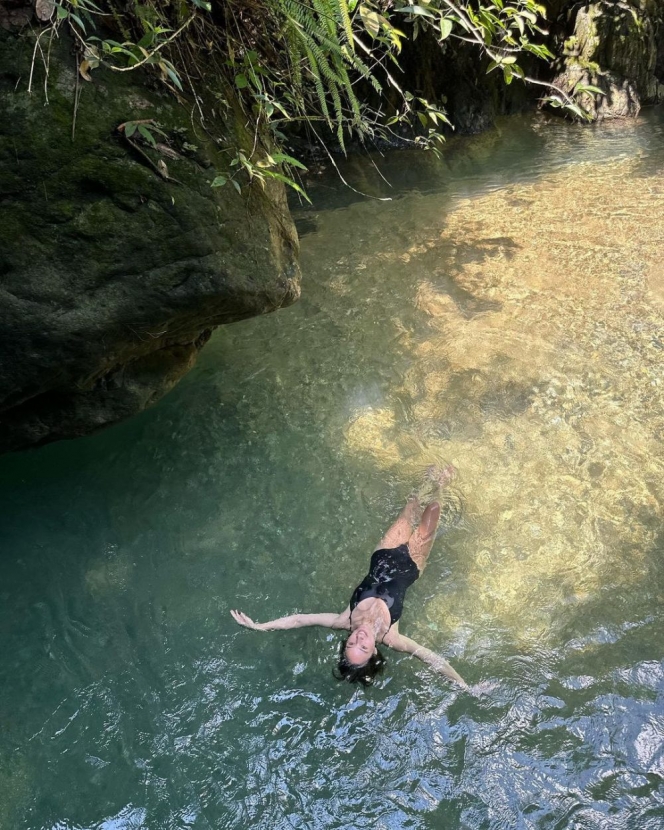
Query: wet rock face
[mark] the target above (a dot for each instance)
(111, 277)
(613, 46)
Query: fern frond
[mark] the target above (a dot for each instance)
(327, 17)
(344, 17)
(318, 84)
(336, 100)
(352, 98)
(321, 44)
(295, 59)
(323, 63)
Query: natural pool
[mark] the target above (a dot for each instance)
(504, 312)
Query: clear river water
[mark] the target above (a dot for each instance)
(504, 313)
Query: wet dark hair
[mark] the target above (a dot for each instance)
(363, 674)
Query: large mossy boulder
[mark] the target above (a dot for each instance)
(614, 47)
(114, 269)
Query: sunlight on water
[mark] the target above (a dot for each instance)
(503, 313)
(544, 378)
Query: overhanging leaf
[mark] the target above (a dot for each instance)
(371, 20)
(281, 158)
(422, 11)
(280, 177)
(147, 135)
(84, 70)
(445, 28)
(588, 88)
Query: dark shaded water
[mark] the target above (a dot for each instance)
(504, 313)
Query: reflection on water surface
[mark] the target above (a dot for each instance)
(503, 313)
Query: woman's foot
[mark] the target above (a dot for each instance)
(441, 476)
(436, 478)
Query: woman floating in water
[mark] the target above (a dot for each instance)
(375, 608)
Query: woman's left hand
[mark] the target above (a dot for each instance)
(247, 622)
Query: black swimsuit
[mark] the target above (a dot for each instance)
(391, 573)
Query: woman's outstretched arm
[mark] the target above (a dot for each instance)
(400, 643)
(295, 621)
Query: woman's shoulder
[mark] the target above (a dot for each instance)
(342, 620)
(392, 639)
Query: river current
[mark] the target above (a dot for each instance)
(504, 313)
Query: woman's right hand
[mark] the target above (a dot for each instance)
(247, 622)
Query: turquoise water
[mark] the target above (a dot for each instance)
(503, 313)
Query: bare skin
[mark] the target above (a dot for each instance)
(370, 621)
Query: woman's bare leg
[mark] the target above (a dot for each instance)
(422, 539)
(402, 529)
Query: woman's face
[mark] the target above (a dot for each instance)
(360, 646)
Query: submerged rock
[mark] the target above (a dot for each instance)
(115, 269)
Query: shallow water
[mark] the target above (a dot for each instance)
(502, 313)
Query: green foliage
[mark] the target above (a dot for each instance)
(147, 133)
(300, 61)
(263, 169)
